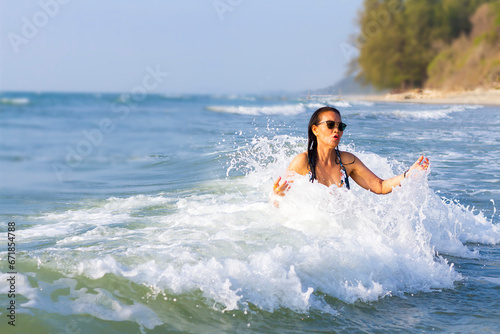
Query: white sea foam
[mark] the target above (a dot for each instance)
(362, 103)
(427, 114)
(113, 210)
(287, 109)
(100, 303)
(331, 101)
(233, 247)
(472, 106)
(494, 280)
(15, 100)
(338, 104)
(283, 109)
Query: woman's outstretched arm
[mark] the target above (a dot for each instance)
(368, 180)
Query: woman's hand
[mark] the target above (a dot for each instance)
(279, 189)
(421, 164)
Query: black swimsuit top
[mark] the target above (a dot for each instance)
(345, 178)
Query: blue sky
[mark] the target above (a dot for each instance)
(205, 46)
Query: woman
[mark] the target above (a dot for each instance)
(325, 163)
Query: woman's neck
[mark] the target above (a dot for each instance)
(327, 155)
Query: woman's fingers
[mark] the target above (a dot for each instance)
(277, 183)
(424, 162)
(282, 188)
(279, 189)
(421, 164)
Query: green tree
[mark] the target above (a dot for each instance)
(399, 38)
(381, 44)
(420, 20)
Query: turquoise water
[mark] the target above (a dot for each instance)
(152, 216)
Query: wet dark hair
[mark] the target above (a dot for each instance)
(312, 142)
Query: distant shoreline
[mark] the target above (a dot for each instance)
(475, 97)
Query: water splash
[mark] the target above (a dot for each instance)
(225, 242)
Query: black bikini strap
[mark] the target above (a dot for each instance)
(342, 166)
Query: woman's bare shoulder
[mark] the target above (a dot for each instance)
(300, 164)
(348, 158)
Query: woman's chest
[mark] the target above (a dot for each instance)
(330, 175)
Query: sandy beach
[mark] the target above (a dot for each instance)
(478, 96)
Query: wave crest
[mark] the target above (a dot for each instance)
(224, 241)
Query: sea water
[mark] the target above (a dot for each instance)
(153, 216)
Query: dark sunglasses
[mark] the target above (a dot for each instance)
(332, 124)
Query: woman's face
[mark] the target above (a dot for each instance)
(326, 136)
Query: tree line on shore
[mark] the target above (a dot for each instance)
(446, 44)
